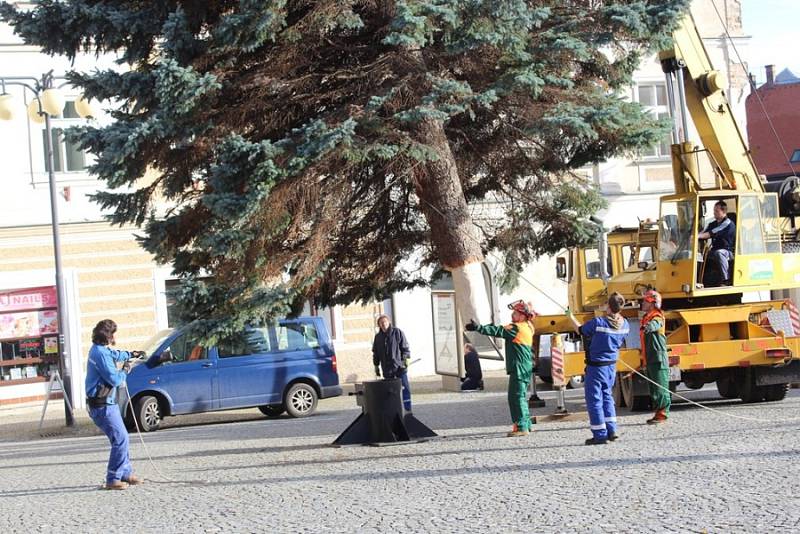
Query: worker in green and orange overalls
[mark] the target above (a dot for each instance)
(654, 351)
(519, 361)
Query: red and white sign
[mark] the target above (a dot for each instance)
(557, 361)
(34, 298)
(794, 316)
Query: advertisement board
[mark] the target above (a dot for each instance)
(446, 339)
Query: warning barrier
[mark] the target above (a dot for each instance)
(557, 361)
(794, 316)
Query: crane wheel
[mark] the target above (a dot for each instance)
(775, 392)
(727, 388)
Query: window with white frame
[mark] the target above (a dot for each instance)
(653, 97)
(67, 156)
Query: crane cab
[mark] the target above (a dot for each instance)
(685, 268)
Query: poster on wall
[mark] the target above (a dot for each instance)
(445, 335)
(48, 322)
(16, 325)
(51, 345)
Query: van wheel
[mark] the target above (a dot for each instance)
(148, 413)
(272, 410)
(301, 400)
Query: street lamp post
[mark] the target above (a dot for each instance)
(49, 103)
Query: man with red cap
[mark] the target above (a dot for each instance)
(654, 349)
(519, 360)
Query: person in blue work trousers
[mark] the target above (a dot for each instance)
(390, 354)
(102, 380)
(519, 361)
(607, 334)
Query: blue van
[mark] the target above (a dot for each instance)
(285, 366)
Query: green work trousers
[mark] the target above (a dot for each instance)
(659, 396)
(518, 402)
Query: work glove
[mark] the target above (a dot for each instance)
(126, 366)
(471, 326)
(378, 371)
(138, 354)
(407, 362)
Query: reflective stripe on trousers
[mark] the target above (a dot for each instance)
(599, 402)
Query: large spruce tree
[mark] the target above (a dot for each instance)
(332, 149)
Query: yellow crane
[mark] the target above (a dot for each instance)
(746, 348)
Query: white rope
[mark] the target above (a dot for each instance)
(744, 417)
(147, 451)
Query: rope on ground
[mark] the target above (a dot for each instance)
(710, 409)
(146, 450)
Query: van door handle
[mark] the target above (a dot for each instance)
(207, 364)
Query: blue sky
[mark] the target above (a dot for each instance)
(774, 26)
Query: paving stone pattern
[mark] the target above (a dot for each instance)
(240, 472)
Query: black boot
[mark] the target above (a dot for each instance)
(595, 441)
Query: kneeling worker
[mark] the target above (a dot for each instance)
(472, 366)
(519, 360)
(607, 336)
(654, 349)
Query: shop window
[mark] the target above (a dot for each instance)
(28, 335)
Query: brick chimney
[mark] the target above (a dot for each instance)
(770, 74)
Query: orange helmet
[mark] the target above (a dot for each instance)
(524, 308)
(653, 296)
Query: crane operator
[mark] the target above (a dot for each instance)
(722, 232)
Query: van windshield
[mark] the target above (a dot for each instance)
(155, 341)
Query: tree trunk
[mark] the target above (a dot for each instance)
(454, 236)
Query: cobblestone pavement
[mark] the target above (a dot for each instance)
(239, 472)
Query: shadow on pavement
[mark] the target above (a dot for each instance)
(607, 463)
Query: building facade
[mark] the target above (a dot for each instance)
(773, 113)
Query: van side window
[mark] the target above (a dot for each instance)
(251, 341)
(186, 349)
(297, 336)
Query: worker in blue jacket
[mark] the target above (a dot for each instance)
(607, 335)
(102, 380)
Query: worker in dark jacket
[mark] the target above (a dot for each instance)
(607, 336)
(654, 348)
(472, 366)
(390, 354)
(102, 380)
(722, 232)
(519, 360)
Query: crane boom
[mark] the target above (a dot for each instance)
(704, 95)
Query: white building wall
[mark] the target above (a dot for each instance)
(23, 173)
